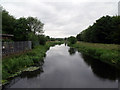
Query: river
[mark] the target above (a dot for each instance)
(64, 67)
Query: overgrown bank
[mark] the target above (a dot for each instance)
(17, 64)
(109, 53)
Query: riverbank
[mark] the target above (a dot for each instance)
(109, 53)
(15, 65)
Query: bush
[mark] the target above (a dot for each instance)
(42, 39)
(32, 37)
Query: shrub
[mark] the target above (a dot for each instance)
(34, 38)
(42, 39)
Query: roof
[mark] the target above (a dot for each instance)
(6, 35)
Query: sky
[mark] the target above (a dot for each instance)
(62, 18)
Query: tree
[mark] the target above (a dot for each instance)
(104, 30)
(79, 37)
(35, 25)
(34, 38)
(21, 29)
(48, 38)
(42, 39)
(7, 23)
(72, 40)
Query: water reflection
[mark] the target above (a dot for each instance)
(101, 69)
(64, 67)
(27, 75)
(65, 44)
(72, 51)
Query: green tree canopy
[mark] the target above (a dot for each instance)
(35, 25)
(21, 29)
(104, 30)
(8, 22)
(72, 39)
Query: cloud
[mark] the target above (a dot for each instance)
(62, 18)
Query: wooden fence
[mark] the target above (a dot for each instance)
(15, 47)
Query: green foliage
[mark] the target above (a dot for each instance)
(47, 38)
(105, 52)
(8, 22)
(52, 39)
(21, 30)
(72, 40)
(56, 39)
(34, 38)
(12, 65)
(42, 39)
(78, 37)
(24, 29)
(35, 25)
(105, 30)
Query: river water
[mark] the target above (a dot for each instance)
(64, 67)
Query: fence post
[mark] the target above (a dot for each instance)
(29, 44)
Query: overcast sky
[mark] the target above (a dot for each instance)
(62, 18)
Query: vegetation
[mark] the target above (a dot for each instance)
(108, 53)
(104, 30)
(16, 64)
(7, 22)
(23, 29)
(72, 40)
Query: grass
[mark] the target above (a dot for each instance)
(109, 53)
(14, 65)
(100, 45)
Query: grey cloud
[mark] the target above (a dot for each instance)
(62, 19)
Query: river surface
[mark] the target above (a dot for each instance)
(64, 67)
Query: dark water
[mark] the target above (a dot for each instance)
(66, 68)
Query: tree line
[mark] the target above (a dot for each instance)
(24, 29)
(104, 30)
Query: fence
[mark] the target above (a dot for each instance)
(15, 47)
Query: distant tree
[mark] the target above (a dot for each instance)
(35, 25)
(65, 39)
(52, 39)
(72, 40)
(48, 38)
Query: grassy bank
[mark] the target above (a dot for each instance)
(109, 53)
(14, 65)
